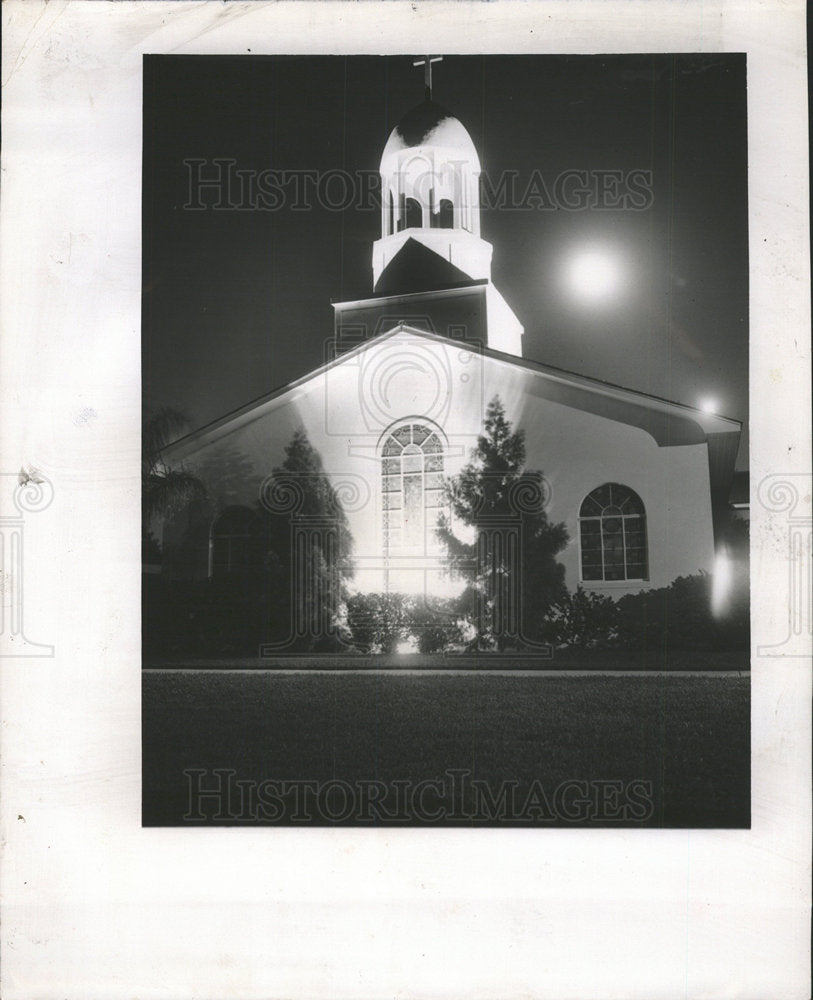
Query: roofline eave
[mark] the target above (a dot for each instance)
(707, 423)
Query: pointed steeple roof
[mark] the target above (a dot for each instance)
(416, 268)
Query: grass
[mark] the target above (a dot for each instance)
(689, 736)
(558, 659)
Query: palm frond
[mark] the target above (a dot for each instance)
(169, 492)
(161, 429)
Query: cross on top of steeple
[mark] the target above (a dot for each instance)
(426, 62)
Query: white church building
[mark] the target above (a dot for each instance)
(400, 399)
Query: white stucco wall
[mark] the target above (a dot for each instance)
(346, 410)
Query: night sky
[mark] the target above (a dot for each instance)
(237, 302)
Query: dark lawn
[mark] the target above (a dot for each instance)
(677, 660)
(689, 736)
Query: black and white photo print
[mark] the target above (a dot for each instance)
(445, 440)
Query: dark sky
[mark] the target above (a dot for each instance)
(237, 302)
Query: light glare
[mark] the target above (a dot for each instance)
(594, 275)
(721, 584)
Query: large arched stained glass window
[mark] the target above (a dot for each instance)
(612, 523)
(411, 488)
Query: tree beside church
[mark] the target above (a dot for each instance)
(308, 551)
(164, 490)
(515, 577)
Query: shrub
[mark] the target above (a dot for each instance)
(436, 626)
(582, 619)
(379, 623)
(680, 617)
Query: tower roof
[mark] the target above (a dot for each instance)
(430, 124)
(418, 268)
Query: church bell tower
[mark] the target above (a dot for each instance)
(430, 226)
(430, 189)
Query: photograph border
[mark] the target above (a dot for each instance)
(96, 906)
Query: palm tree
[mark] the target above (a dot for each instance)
(164, 491)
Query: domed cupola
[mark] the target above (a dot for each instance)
(430, 216)
(430, 191)
(429, 124)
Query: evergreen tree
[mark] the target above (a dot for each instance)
(308, 550)
(511, 560)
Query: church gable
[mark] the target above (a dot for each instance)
(415, 370)
(454, 313)
(393, 417)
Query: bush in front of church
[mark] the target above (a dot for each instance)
(686, 615)
(583, 619)
(436, 626)
(377, 622)
(683, 616)
(381, 623)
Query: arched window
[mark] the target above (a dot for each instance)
(446, 214)
(434, 214)
(414, 214)
(411, 488)
(391, 216)
(234, 543)
(612, 526)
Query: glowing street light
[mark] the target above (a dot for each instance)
(594, 275)
(708, 405)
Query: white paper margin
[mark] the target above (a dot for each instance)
(94, 906)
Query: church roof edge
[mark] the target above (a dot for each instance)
(711, 424)
(425, 293)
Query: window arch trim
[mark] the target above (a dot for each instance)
(411, 453)
(613, 543)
